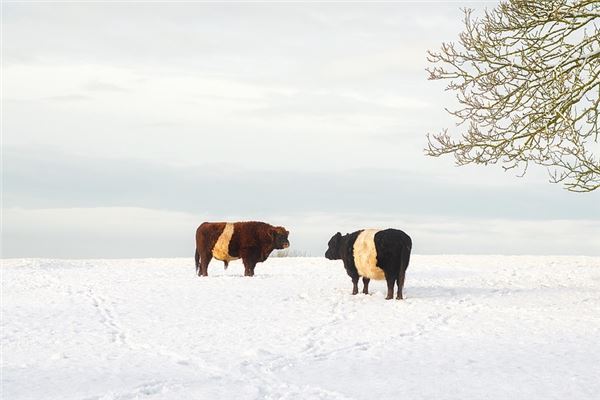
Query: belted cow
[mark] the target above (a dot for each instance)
(251, 241)
(373, 254)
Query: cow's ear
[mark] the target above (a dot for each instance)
(338, 235)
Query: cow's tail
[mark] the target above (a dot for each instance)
(197, 259)
(405, 257)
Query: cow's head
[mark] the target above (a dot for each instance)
(280, 238)
(333, 252)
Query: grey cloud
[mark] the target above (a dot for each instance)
(330, 104)
(259, 41)
(97, 86)
(56, 180)
(137, 232)
(161, 124)
(69, 97)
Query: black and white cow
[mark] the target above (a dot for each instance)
(373, 254)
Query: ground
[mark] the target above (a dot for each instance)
(471, 327)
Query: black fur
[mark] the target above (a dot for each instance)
(393, 256)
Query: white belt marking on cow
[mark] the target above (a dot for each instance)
(365, 255)
(221, 249)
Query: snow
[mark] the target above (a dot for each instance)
(471, 327)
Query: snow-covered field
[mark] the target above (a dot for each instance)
(471, 327)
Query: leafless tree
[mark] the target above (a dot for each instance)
(527, 77)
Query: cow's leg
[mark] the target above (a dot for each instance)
(355, 284)
(366, 285)
(204, 261)
(353, 274)
(400, 282)
(391, 280)
(249, 265)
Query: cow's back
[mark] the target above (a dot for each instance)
(372, 252)
(224, 240)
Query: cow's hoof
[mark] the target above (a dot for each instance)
(389, 297)
(354, 292)
(399, 298)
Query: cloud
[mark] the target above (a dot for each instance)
(455, 235)
(97, 86)
(98, 232)
(69, 98)
(109, 232)
(331, 104)
(299, 112)
(46, 180)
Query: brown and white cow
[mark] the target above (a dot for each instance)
(251, 241)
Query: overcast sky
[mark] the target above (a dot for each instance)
(125, 125)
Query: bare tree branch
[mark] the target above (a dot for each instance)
(527, 79)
